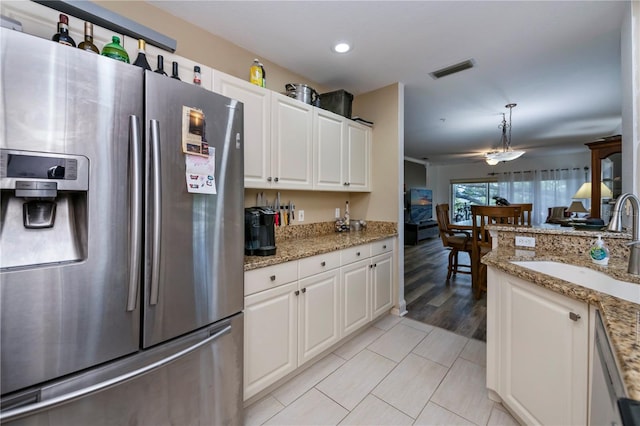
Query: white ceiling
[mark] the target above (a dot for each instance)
(558, 60)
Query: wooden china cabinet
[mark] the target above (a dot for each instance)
(606, 167)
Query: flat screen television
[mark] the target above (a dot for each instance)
(419, 204)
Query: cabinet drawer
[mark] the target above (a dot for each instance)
(380, 247)
(353, 254)
(317, 264)
(270, 277)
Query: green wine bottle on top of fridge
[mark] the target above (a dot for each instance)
(62, 36)
(87, 44)
(115, 50)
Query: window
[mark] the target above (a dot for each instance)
(543, 188)
(464, 194)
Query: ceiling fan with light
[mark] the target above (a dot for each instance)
(507, 154)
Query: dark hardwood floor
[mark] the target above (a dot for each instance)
(433, 300)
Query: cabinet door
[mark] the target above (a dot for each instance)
(544, 354)
(291, 143)
(329, 145)
(358, 150)
(257, 126)
(355, 294)
(270, 337)
(382, 283)
(319, 314)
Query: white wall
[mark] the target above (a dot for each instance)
(440, 176)
(415, 174)
(630, 51)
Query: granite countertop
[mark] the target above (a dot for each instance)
(298, 248)
(619, 315)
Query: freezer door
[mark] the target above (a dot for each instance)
(194, 241)
(69, 293)
(194, 380)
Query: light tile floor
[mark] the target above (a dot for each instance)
(397, 372)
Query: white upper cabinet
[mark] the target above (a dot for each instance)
(329, 131)
(257, 126)
(342, 150)
(291, 143)
(358, 152)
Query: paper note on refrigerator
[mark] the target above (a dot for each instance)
(194, 139)
(200, 173)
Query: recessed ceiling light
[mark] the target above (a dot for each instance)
(341, 47)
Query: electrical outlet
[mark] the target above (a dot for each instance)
(337, 213)
(300, 215)
(525, 241)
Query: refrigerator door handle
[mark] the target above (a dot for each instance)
(16, 413)
(156, 227)
(135, 152)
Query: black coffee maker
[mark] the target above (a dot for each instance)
(259, 231)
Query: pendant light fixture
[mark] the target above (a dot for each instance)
(507, 154)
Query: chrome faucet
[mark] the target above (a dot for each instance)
(616, 226)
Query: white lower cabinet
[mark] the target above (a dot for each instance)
(292, 318)
(355, 292)
(537, 348)
(289, 324)
(318, 313)
(270, 336)
(382, 283)
(382, 276)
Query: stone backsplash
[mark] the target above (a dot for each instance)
(311, 230)
(559, 242)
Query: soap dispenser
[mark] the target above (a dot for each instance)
(599, 252)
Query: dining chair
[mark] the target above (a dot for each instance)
(456, 239)
(526, 210)
(557, 215)
(481, 243)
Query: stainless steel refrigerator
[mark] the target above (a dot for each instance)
(121, 288)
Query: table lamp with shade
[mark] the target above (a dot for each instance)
(584, 192)
(577, 207)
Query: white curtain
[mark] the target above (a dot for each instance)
(543, 188)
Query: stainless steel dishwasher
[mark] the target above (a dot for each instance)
(606, 384)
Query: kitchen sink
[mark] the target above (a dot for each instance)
(585, 277)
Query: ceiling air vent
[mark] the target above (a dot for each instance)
(461, 66)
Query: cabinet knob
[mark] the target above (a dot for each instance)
(276, 179)
(272, 277)
(323, 263)
(297, 292)
(357, 253)
(370, 266)
(375, 265)
(304, 290)
(573, 316)
(384, 247)
(269, 179)
(348, 183)
(345, 184)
